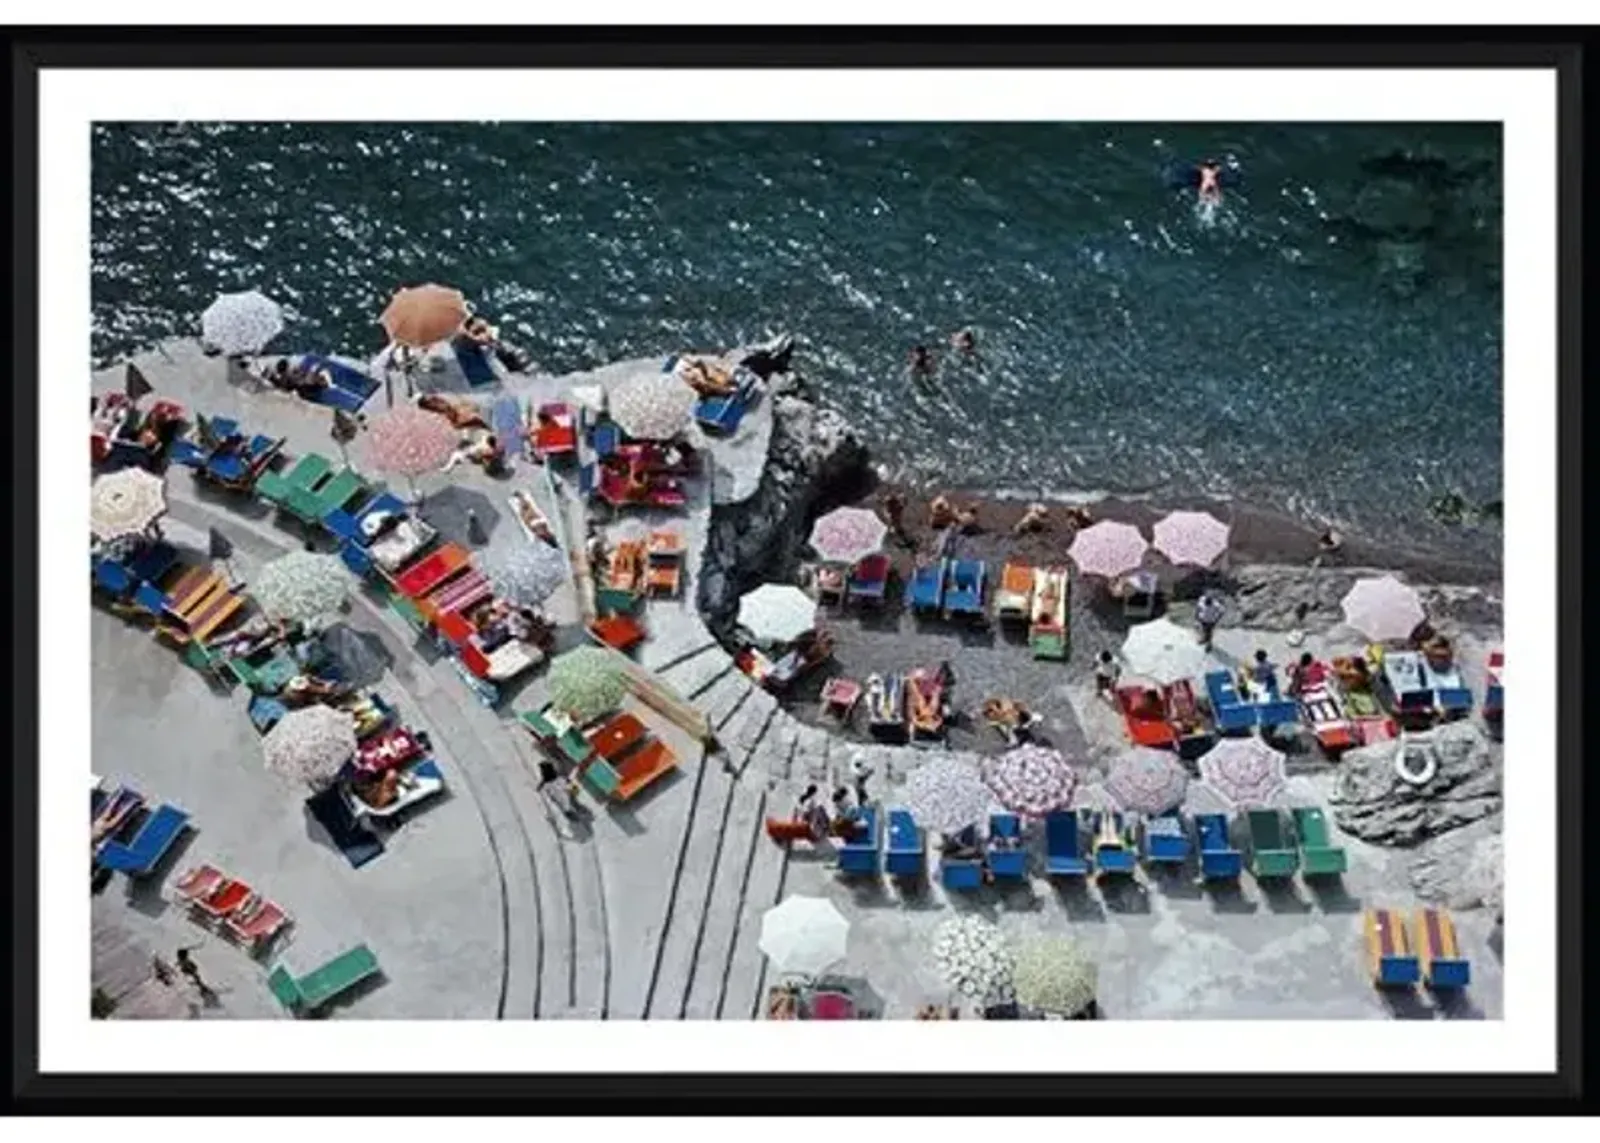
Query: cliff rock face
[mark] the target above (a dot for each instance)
(1371, 801)
(1463, 869)
(812, 453)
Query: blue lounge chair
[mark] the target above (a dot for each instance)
(927, 586)
(961, 876)
(112, 577)
(1112, 853)
(154, 562)
(907, 855)
(187, 453)
(1231, 713)
(1219, 861)
(151, 598)
(266, 712)
(156, 835)
(1063, 857)
(605, 438)
(350, 378)
(724, 414)
(1166, 842)
(1008, 861)
(1276, 710)
(509, 428)
(963, 588)
(346, 523)
(859, 857)
(475, 363)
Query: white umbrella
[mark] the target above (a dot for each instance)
(1108, 548)
(655, 406)
(777, 613)
(1163, 651)
(1146, 781)
(1245, 772)
(1190, 537)
(804, 935)
(310, 745)
(1382, 608)
(1054, 974)
(848, 535)
(974, 958)
(241, 323)
(947, 794)
(527, 573)
(304, 586)
(125, 503)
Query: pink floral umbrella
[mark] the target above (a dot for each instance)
(1146, 781)
(847, 535)
(1191, 537)
(1243, 771)
(1382, 608)
(409, 442)
(1030, 780)
(1108, 548)
(946, 794)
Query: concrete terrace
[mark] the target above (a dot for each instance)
(490, 904)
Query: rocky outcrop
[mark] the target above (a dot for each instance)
(813, 455)
(1371, 801)
(1463, 869)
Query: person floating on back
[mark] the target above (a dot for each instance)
(1210, 176)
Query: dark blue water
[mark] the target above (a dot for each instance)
(1328, 343)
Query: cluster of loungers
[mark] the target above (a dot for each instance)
(867, 582)
(128, 835)
(121, 435)
(231, 906)
(187, 603)
(616, 755)
(899, 707)
(636, 570)
(1400, 956)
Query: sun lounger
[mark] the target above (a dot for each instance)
(306, 474)
(1321, 710)
(1494, 695)
(886, 707)
(1184, 715)
(1319, 857)
(389, 750)
(198, 883)
(305, 995)
(138, 857)
(1013, 598)
(869, 581)
(664, 569)
(1063, 851)
(638, 769)
(239, 471)
(906, 856)
(1450, 693)
(265, 672)
(227, 898)
(925, 699)
(345, 487)
(960, 875)
(112, 813)
(348, 522)
(350, 378)
(927, 587)
(1390, 957)
(964, 588)
(1144, 716)
(475, 363)
(1008, 861)
(1273, 710)
(1271, 856)
(505, 417)
(433, 569)
(1433, 933)
(1219, 861)
(419, 781)
(605, 437)
(154, 562)
(460, 593)
(1140, 591)
(860, 854)
(1166, 842)
(1112, 852)
(555, 732)
(1230, 712)
(829, 1004)
(113, 579)
(555, 432)
(254, 927)
(265, 712)
(722, 415)
(623, 632)
(1406, 680)
(831, 581)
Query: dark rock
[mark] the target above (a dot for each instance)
(1463, 869)
(1372, 802)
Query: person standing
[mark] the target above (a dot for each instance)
(1106, 673)
(1207, 613)
(860, 771)
(191, 972)
(894, 507)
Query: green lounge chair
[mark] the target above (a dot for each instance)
(1271, 855)
(310, 506)
(305, 995)
(1318, 856)
(278, 489)
(265, 674)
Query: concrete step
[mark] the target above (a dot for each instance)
(743, 832)
(763, 887)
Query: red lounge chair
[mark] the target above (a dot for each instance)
(199, 882)
(1146, 722)
(461, 593)
(454, 627)
(555, 433)
(226, 899)
(786, 830)
(642, 767)
(256, 926)
(830, 1006)
(432, 570)
(621, 631)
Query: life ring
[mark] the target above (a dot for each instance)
(1411, 774)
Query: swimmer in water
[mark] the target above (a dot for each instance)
(921, 361)
(1210, 175)
(964, 340)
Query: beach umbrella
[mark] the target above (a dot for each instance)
(804, 935)
(586, 682)
(777, 613)
(135, 384)
(974, 958)
(1054, 974)
(1146, 781)
(409, 442)
(310, 745)
(241, 323)
(1107, 548)
(652, 406)
(126, 503)
(847, 535)
(1243, 771)
(526, 574)
(305, 586)
(1382, 608)
(1161, 650)
(1031, 780)
(1190, 537)
(946, 794)
(421, 316)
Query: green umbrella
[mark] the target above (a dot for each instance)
(304, 586)
(1054, 974)
(586, 682)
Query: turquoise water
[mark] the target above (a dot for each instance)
(1328, 343)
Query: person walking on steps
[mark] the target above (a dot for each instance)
(1207, 613)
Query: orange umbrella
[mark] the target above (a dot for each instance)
(424, 315)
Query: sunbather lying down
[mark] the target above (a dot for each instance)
(1033, 520)
(461, 412)
(707, 380)
(303, 689)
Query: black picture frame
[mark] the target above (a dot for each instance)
(34, 50)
